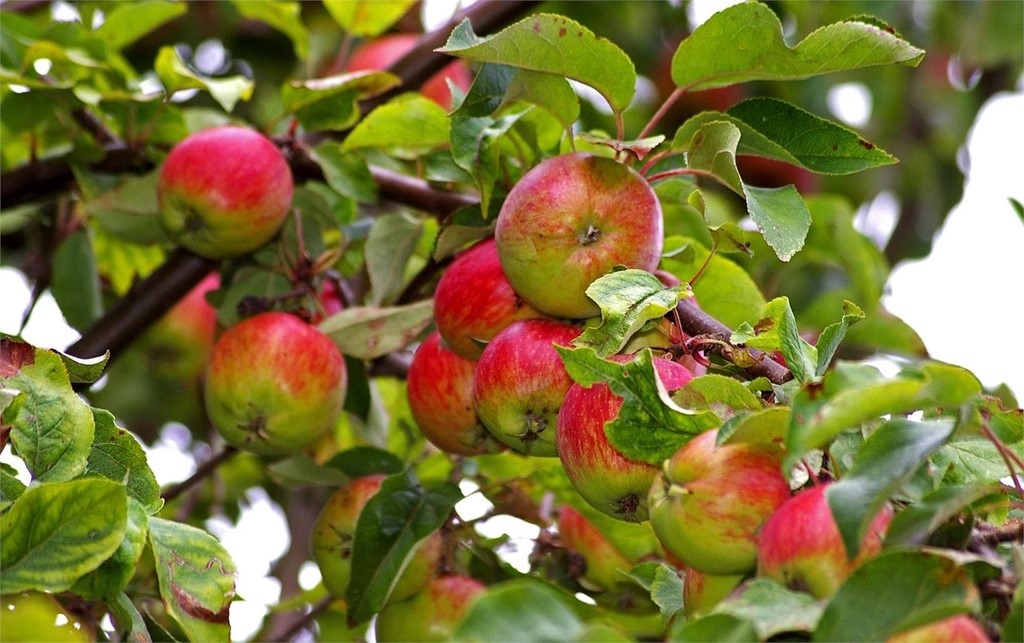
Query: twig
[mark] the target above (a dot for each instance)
(304, 621)
(202, 472)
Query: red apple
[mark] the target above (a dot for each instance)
(274, 384)
(569, 221)
(336, 527)
(382, 52)
(609, 481)
(224, 192)
(431, 615)
(183, 338)
(701, 592)
(473, 301)
(953, 629)
(801, 546)
(520, 383)
(329, 301)
(710, 502)
(603, 560)
(440, 390)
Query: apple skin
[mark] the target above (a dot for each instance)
(710, 502)
(801, 547)
(440, 390)
(603, 560)
(336, 527)
(474, 301)
(432, 614)
(570, 220)
(701, 592)
(609, 481)
(954, 629)
(184, 336)
(382, 52)
(224, 192)
(37, 616)
(274, 384)
(520, 383)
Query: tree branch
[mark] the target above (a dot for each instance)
(202, 472)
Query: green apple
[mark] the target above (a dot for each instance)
(432, 614)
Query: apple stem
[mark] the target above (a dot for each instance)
(810, 472)
(654, 160)
(665, 106)
(700, 271)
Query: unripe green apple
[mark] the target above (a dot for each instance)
(474, 301)
(35, 616)
(710, 502)
(801, 546)
(440, 390)
(432, 614)
(274, 384)
(520, 384)
(336, 527)
(609, 481)
(603, 560)
(701, 592)
(224, 192)
(571, 220)
(953, 629)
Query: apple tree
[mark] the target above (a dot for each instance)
(590, 268)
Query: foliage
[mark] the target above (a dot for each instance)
(390, 185)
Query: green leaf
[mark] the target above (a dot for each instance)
(915, 522)
(367, 17)
(816, 144)
(972, 459)
(627, 299)
(286, 17)
(57, 532)
(650, 426)
(777, 330)
(84, 370)
(128, 619)
(729, 237)
(772, 608)
(117, 455)
(196, 578)
(887, 460)
(767, 426)
(332, 103)
(899, 589)
(554, 45)
(712, 149)
(455, 236)
(667, 591)
(782, 217)
(129, 22)
(409, 122)
(366, 460)
(175, 76)
(721, 628)
(76, 283)
(302, 471)
(54, 428)
(723, 396)
(369, 332)
(10, 488)
(122, 262)
(389, 246)
(400, 516)
(346, 172)
(832, 336)
(820, 415)
(520, 611)
(109, 579)
(745, 42)
(551, 93)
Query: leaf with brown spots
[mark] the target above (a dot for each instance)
(370, 332)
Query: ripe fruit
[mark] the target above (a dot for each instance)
(432, 614)
(953, 629)
(382, 52)
(801, 546)
(473, 301)
(336, 527)
(182, 340)
(602, 559)
(440, 389)
(569, 221)
(701, 592)
(608, 480)
(224, 192)
(710, 502)
(520, 383)
(274, 384)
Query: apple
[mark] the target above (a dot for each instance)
(440, 390)
(432, 614)
(801, 546)
(335, 529)
(953, 629)
(382, 52)
(602, 559)
(274, 384)
(224, 192)
(710, 502)
(701, 592)
(609, 481)
(35, 616)
(182, 339)
(473, 301)
(570, 220)
(520, 383)
(329, 301)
